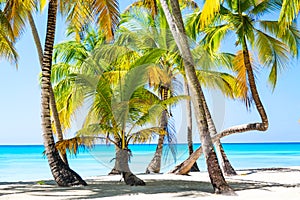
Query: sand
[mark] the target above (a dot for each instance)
(274, 183)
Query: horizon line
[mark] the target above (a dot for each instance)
(259, 142)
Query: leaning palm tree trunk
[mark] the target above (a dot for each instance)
(195, 167)
(225, 164)
(62, 174)
(187, 166)
(53, 107)
(176, 25)
(258, 126)
(155, 164)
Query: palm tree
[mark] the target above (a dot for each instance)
(69, 57)
(175, 22)
(152, 32)
(62, 174)
(154, 165)
(273, 48)
(157, 36)
(205, 64)
(272, 51)
(119, 110)
(78, 14)
(18, 12)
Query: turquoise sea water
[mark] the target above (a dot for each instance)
(20, 163)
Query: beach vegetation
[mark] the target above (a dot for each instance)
(175, 21)
(264, 37)
(124, 72)
(78, 14)
(119, 112)
(7, 40)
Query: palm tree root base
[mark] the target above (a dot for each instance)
(132, 180)
(219, 184)
(114, 171)
(152, 169)
(228, 170)
(195, 168)
(67, 178)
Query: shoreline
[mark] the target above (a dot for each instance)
(180, 143)
(260, 183)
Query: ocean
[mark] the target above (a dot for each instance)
(27, 162)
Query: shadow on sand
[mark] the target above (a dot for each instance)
(99, 189)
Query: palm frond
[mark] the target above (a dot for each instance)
(6, 26)
(8, 50)
(78, 14)
(291, 35)
(242, 84)
(171, 139)
(145, 135)
(74, 145)
(108, 15)
(188, 4)
(210, 8)
(7, 40)
(272, 53)
(289, 11)
(70, 51)
(262, 7)
(17, 12)
(218, 80)
(192, 24)
(214, 36)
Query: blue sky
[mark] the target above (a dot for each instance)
(20, 100)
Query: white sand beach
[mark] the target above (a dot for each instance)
(274, 183)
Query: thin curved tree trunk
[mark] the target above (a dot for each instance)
(224, 162)
(63, 175)
(194, 167)
(258, 126)
(226, 166)
(155, 164)
(53, 107)
(177, 28)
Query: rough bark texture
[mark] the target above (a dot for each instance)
(121, 165)
(195, 167)
(263, 126)
(217, 181)
(155, 164)
(62, 174)
(177, 28)
(53, 107)
(226, 166)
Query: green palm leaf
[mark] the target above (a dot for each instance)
(289, 11)
(291, 35)
(272, 53)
